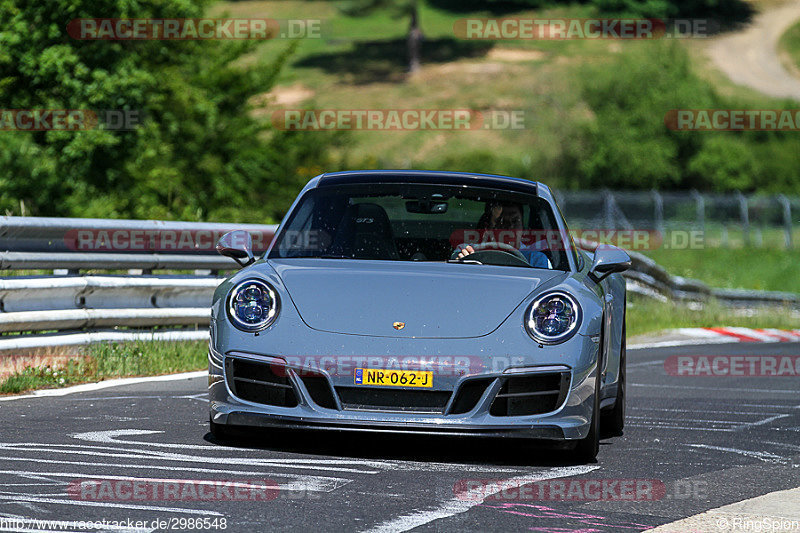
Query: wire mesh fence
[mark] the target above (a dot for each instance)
(723, 220)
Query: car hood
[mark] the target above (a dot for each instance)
(433, 300)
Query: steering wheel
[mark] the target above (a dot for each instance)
(491, 247)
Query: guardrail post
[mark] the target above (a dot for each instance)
(745, 216)
(787, 220)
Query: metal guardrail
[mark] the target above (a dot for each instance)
(68, 304)
(646, 277)
(74, 244)
(74, 309)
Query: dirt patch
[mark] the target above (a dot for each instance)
(510, 54)
(750, 58)
(434, 72)
(284, 96)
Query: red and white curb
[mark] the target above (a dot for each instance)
(756, 335)
(697, 336)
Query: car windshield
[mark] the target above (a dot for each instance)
(402, 222)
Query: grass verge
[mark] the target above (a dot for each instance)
(764, 269)
(790, 45)
(109, 360)
(651, 316)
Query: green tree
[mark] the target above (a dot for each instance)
(198, 154)
(400, 9)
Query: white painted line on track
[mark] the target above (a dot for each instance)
(173, 468)
(737, 390)
(666, 426)
(682, 342)
(182, 458)
(88, 387)
(77, 477)
(110, 437)
(765, 421)
(464, 503)
(640, 408)
(761, 456)
(644, 363)
(156, 508)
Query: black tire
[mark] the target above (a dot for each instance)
(220, 432)
(587, 448)
(613, 421)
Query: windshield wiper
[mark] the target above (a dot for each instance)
(333, 256)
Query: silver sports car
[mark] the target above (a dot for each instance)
(422, 302)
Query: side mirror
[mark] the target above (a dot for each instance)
(237, 245)
(608, 260)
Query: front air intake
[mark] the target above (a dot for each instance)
(258, 382)
(531, 395)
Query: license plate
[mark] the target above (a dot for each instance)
(394, 378)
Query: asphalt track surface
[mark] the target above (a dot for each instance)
(702, 442)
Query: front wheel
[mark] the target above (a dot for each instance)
(587, 448)
(220, 432)
(614, 420)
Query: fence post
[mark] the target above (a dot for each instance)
(787, 219)
(701, 210)
(745, 216)
(658, 204)
(608, 209)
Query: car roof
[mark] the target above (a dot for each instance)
(428, 176)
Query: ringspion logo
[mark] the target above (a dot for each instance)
(191, 29)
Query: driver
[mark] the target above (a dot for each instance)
(507, 216)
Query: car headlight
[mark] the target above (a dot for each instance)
(553, 318)
(253, 305)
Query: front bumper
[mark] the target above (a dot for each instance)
(568, 420)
